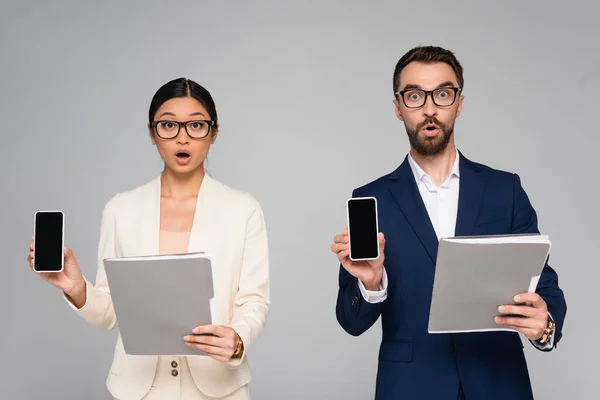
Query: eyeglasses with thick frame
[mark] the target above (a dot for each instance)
(430, 93)
(185, 124)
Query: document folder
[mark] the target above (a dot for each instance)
(474, 275)
(160, 299)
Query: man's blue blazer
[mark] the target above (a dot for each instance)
(412, 363)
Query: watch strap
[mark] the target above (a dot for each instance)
(548, 332)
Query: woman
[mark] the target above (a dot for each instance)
(182, 210)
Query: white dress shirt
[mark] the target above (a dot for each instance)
(441, 203)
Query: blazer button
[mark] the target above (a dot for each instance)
(354, 301)
(174, 364)
(174, 372)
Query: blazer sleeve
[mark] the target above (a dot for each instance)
(252, 301)
(524, 220)
(353, 312)
(98, 308)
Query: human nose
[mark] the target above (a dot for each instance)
(429, 108)
(182, 137)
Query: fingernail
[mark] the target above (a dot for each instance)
(517, 298)
(501, 308)
(497, 320)
(187, 337)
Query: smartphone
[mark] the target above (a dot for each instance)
(363, 228)
(49, 241)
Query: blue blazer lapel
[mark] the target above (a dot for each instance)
(404, 190)
(470, 196)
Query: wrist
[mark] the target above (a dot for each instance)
(374, 284)
(77, 289)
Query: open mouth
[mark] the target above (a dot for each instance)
(182, 155)
(431, 127)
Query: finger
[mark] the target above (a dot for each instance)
(381, 242)
(340, 238)
(337, 247)
(521, 322)
(210, 350)
(342, 255)
(205, 339)
(526, 311)
(532, 298)
(206, 330)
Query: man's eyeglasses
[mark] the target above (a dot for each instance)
(442, 97)
(196, 129)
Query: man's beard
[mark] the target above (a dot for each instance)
(430, 146)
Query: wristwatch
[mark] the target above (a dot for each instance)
(548, 332)
(239, 348)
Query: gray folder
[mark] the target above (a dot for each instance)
(160, 299)
(475, 275)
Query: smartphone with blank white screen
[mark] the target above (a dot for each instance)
(49, 240)
(363, 228)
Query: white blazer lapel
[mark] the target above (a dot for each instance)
(200, 233)
(151, 223)
(143, 235)
(203, 238)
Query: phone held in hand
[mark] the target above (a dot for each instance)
(363, 228)
(48, 238)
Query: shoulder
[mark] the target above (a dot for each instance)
(497, 176)
(373, 186)
(132, 198)
(232, 198)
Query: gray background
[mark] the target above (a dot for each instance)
(303, 91)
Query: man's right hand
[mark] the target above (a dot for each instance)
(370, 273)
(70, 280)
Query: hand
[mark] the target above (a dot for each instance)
(532, 319)
(218, 342)
(70, 280)
(369, 272)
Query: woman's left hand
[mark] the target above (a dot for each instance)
(218, 342)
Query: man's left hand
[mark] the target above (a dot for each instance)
(216, 341)
(531, 320)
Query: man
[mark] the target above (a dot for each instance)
(437, 192)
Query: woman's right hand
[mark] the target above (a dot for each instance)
(70, 280)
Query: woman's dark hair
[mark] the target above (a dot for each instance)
(183, 87)
(429, 54)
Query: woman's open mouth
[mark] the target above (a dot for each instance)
(182, 157)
